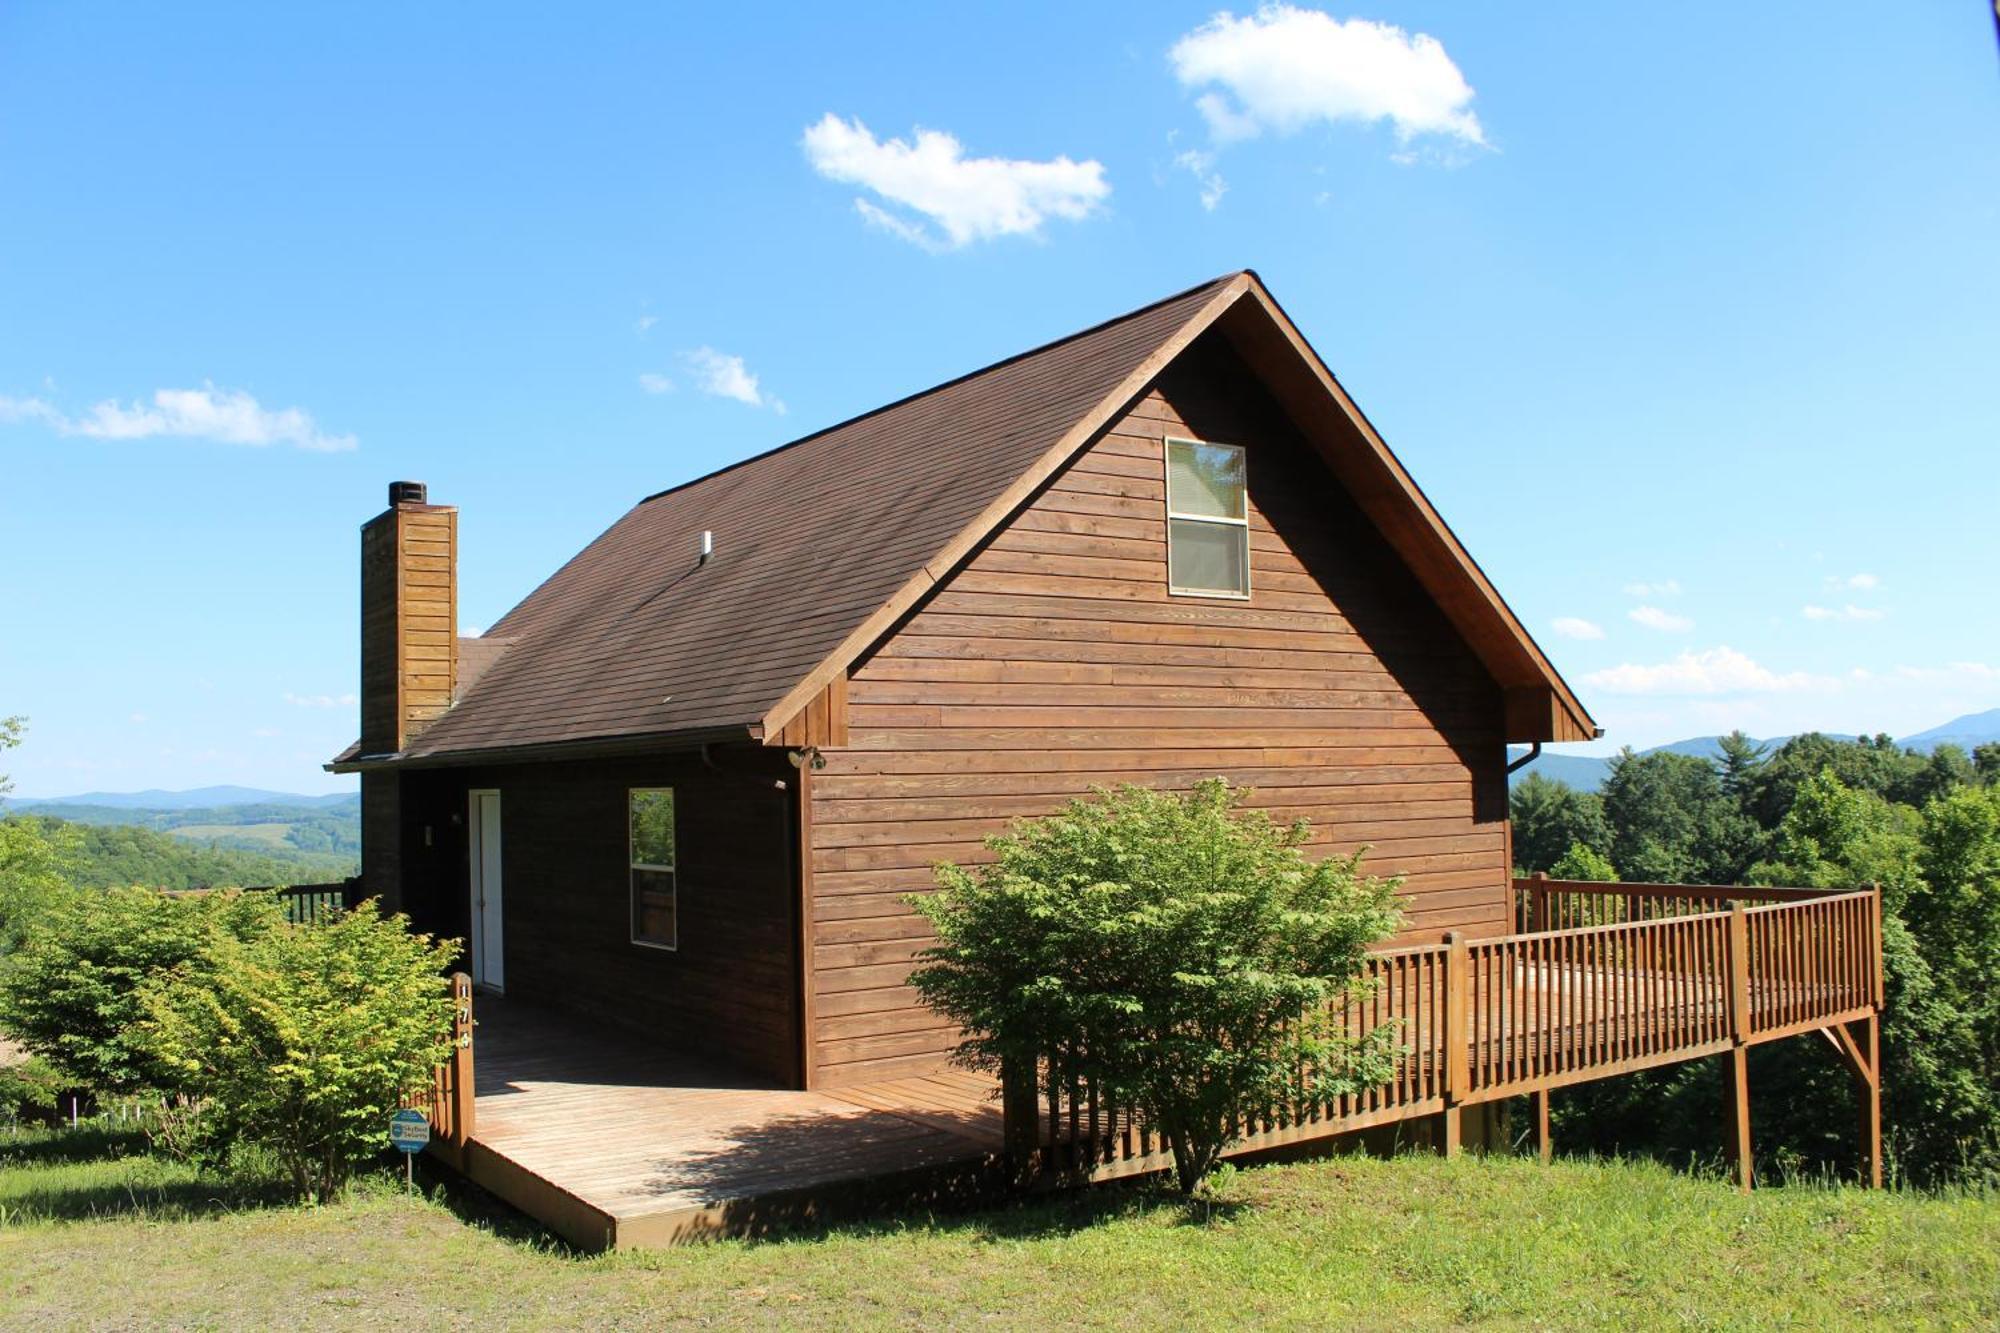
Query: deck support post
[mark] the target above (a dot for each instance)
(1861, 1050)
(1871, 1103)
(1738, 1080)
(1538, 903)
(1736, 1084)
(1544, 1143)
(1457, 1073)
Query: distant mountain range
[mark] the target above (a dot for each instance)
(196, 798)
(1587, 772)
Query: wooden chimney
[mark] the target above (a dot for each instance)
(409, 617)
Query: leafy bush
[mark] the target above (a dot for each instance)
(1179, 952)
(29, 1089)
(70, 993)
(1583, 864)
(303, 1040)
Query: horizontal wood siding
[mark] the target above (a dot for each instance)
(729, 991)
(1055, 659)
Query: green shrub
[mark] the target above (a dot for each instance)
(302, 1041)
(1182, 954)
(70, 993)
(1583, 864)
(28, 1090)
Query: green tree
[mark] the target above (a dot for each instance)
(1672, 823)
(1179, 952)
(1876, 764)
(1986, 763)
(304, 1040)
(1550, 817)
(70, 993)
(35, 863)
(1835, 837)
(1946, 770)
(1738, 762)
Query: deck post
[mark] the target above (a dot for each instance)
(1538, 902)
(1871, 1102)
(1738, 1080)
(1457, 1074)
(462, 1098)
(1544, 1144)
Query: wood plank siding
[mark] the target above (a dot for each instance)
(1054, 659)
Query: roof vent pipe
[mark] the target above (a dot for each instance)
(707, 547)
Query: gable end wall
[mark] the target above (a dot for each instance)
(1055, 659)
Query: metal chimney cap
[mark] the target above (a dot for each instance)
(408, 493)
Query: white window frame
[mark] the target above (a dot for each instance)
(632, 863)
(1167, 476)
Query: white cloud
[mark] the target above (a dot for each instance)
(138, 719)
(1284, 69)
(1712, 671)
(228, 416)
(653, 383)
(1861, 582)
(725, 376)
(28, 409)
(1848, 612)
(967, 198)
(1652, 617)
(1576, 627)
(643, 323)
(264, 733)
(320, 700)
(1201, 165)
(1664, 588)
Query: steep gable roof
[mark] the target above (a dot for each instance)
(823, 544)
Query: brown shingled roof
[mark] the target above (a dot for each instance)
(631, 638)
(821, 544)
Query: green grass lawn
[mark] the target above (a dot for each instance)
(92, 1236)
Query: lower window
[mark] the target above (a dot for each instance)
(654, 883)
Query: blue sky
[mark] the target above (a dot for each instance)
(1683, 315)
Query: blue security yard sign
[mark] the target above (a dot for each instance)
(409, 1130)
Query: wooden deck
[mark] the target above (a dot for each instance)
(614, 1142)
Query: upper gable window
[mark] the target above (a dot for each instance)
(1208, 525)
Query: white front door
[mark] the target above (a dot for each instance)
(489, 954)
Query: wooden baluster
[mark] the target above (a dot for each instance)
(1457, 1053)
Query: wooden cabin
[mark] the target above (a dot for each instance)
(675, 800)
(684, 786)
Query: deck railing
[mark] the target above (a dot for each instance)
(1664, 976)
(304, 904)
(448, 1102)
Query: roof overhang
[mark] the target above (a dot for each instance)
(592, 747)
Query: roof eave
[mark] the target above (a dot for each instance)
(590, 747)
